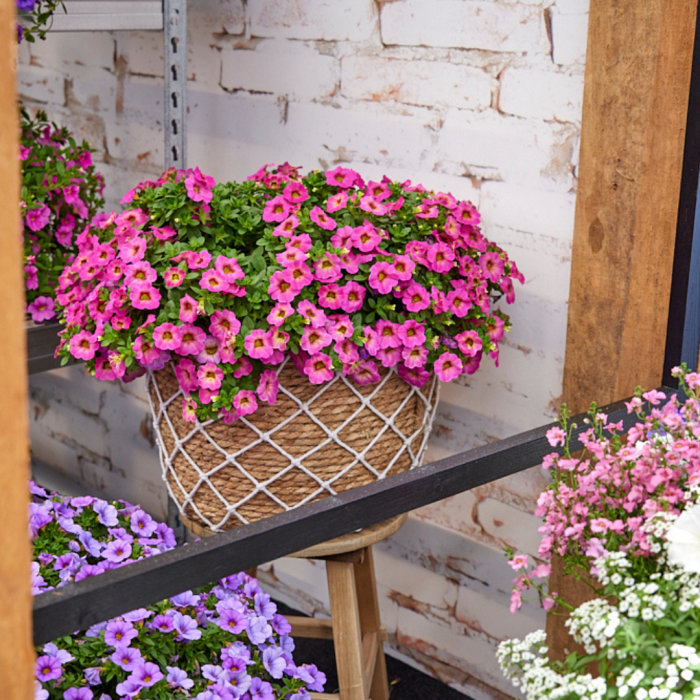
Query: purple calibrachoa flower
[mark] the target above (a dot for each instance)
(78, 694)
(48, 668)
(146, 674)
(177, 678)
(126, 657)
(186, 626)
(274, 661)
(120, 633)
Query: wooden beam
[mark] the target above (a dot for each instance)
(634, 114)
(16, 650)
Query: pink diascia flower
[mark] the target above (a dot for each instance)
(319, 217)
(268, 386)
(199, 186)
(319, 368)
(448, 367)
(277, 209)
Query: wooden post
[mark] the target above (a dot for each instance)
(635, 105)
(634, 114)
(16, 649)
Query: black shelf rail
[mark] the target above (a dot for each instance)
(42, 341)
(92, 600)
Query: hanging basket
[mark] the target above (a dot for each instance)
(315, 441)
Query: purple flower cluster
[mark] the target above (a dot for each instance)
(224, 642)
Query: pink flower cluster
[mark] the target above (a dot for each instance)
(61, 193)
(336, 274)
(603, 501)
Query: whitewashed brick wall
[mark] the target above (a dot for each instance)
(478, 97)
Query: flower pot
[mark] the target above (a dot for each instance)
(315, 441)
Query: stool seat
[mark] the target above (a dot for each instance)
(353, 541)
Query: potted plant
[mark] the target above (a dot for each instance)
(293, 326)
(625, 519)
(35, 16)
(222, 642)
(61, 191)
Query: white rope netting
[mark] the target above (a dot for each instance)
(327, 438)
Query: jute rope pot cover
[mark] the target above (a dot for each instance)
(315, 441)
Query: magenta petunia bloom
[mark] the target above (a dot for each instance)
(280, 289)
(229, 268)
(352, 297)
(279, 313)
(145, 351)
(328, 268)
(188, 309)
(312, 313)
(42, 309)
(319, 217)
(441, 257)
(416, 376)
(458, 302)
(382, 277)
(388, 334)
(372, 206)
(298, 275)
(403, 267)
(189, 410)
(37, 219)
(348, 352)
(365, 238)
(364, 372)
(186, 373)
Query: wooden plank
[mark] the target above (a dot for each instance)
(370, 645)
(634, 112)
(97, 598)
(313, 627)
(16, 650)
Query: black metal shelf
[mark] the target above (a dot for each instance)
(42, 340)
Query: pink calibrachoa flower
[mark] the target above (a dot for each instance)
(441, 257)
(415, 356)
(466, 213)
(199, 186)
(364, 372)
(328, 268)
(340, 327)
(320, 218)
(403, 267)
(258, 344)
(280, 289)
(336, 202)
(389, 357)
(245, 402)
(388, 334)
(163, 233)
(319, 368)
(103, 369)
(209, 376)
(277, 209)
(348, 352)
(416, 376)
(330, 296)
(382, 277)
(458, 302)
(229, 268)
(313, 340)
(493, 266)
(365, 238)
(174, 277)
(279, 340)
(312, 313)
(301, 241)
(191, 339)
(140, 271)
(146, 352)
(290, 256)
(371, 205)
(295, 193)
(188, 309)
(286, 228)
(133, 250)
(411, 333)
(42, 309)
(379, 190)
(83, 345)
(166, 336)
(186, 373)
(298, 275)
(224, 324)
(279, 313)
(448, 367)
(268, 386)
(144, 297)
(352, 297)
(210, 352)
(213, 281)
(342, 177)
(469, 343)
(472, 364)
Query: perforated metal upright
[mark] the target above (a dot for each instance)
(169, 16)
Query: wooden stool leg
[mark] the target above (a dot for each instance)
(346, 629)
(370, 622)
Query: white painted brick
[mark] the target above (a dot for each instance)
(572, 7)
(127, 139)
(417, 82)
(41, 85)
(510, 525)
(215, 17)
(569, 37)
(120, 179)
(280, 68)
(142, 51)
(542, 95)
(329, 20)
(528, 209)
(507, 148)
(92, 88)
(467, 24)
(83, 48)
(72, 384)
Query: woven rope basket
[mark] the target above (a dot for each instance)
(315, 441)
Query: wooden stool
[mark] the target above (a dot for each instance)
(355, 626)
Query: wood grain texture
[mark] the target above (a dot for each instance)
(634, 114)
(16, 650)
